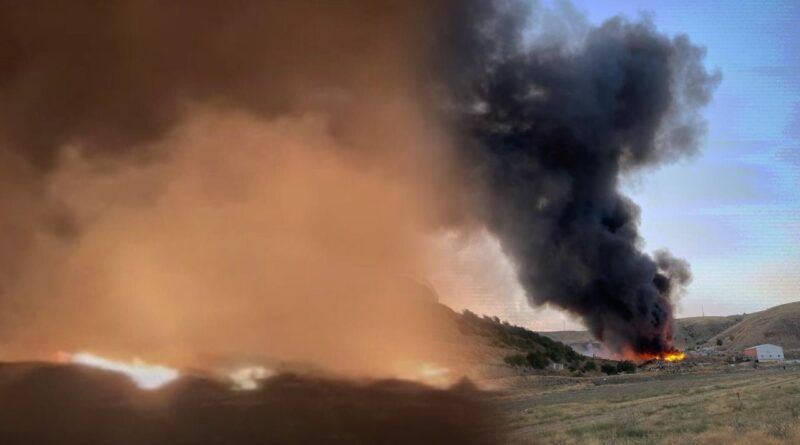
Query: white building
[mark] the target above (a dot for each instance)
(765, 352)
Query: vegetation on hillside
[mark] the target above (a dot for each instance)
(535, 350)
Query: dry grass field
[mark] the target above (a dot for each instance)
(720, 406)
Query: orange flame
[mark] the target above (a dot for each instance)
(145, 375)
(674, 356)
(671, 356)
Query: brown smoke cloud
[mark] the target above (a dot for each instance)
(116, 74)
(248, 238)
(205, 182)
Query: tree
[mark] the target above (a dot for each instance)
(538, 360)
(590, 366)
(626, 366)
(515, 360)
(556, 355)
(608, 369)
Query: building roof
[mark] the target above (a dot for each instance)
(765, 344)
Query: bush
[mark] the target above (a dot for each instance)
(556, 355)
(590, 366)
(515, 360)
(538, 360)
(626, 366)
(608, 369)
(719, 342)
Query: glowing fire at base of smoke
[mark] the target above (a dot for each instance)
(145, 375)
(249, 378)
(673, 356)
(430, 374)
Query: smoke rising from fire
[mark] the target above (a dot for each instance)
(195, 181)
(553, 125)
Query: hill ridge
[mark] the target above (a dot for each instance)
(778, 325)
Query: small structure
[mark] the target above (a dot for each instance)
(556, 366)
(764, 353)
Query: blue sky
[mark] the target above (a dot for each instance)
(734, 210)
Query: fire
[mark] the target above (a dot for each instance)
(430, 374)
(672, 356)
(249, 378)
(145, 375)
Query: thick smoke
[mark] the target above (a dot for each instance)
(554, 124)
(205, 183)
(197, 179)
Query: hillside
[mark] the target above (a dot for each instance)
(691, 331)
(518, 342)
(695, 331)
(569, 337)
(50, 403)
(779, 325)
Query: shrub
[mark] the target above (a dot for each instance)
(719, 342)
(608, 369)
(626, 366)
(590, 366)
(515, 360)
(556, 355)
(538, 360)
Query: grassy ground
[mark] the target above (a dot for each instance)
(720, 406)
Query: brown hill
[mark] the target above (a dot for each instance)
(695, 331)
(689, 332)
(779, 325)
(569, 337)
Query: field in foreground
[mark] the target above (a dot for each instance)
(720, 406)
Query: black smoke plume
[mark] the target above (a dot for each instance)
(550, 127)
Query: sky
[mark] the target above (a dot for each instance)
(733, 210)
